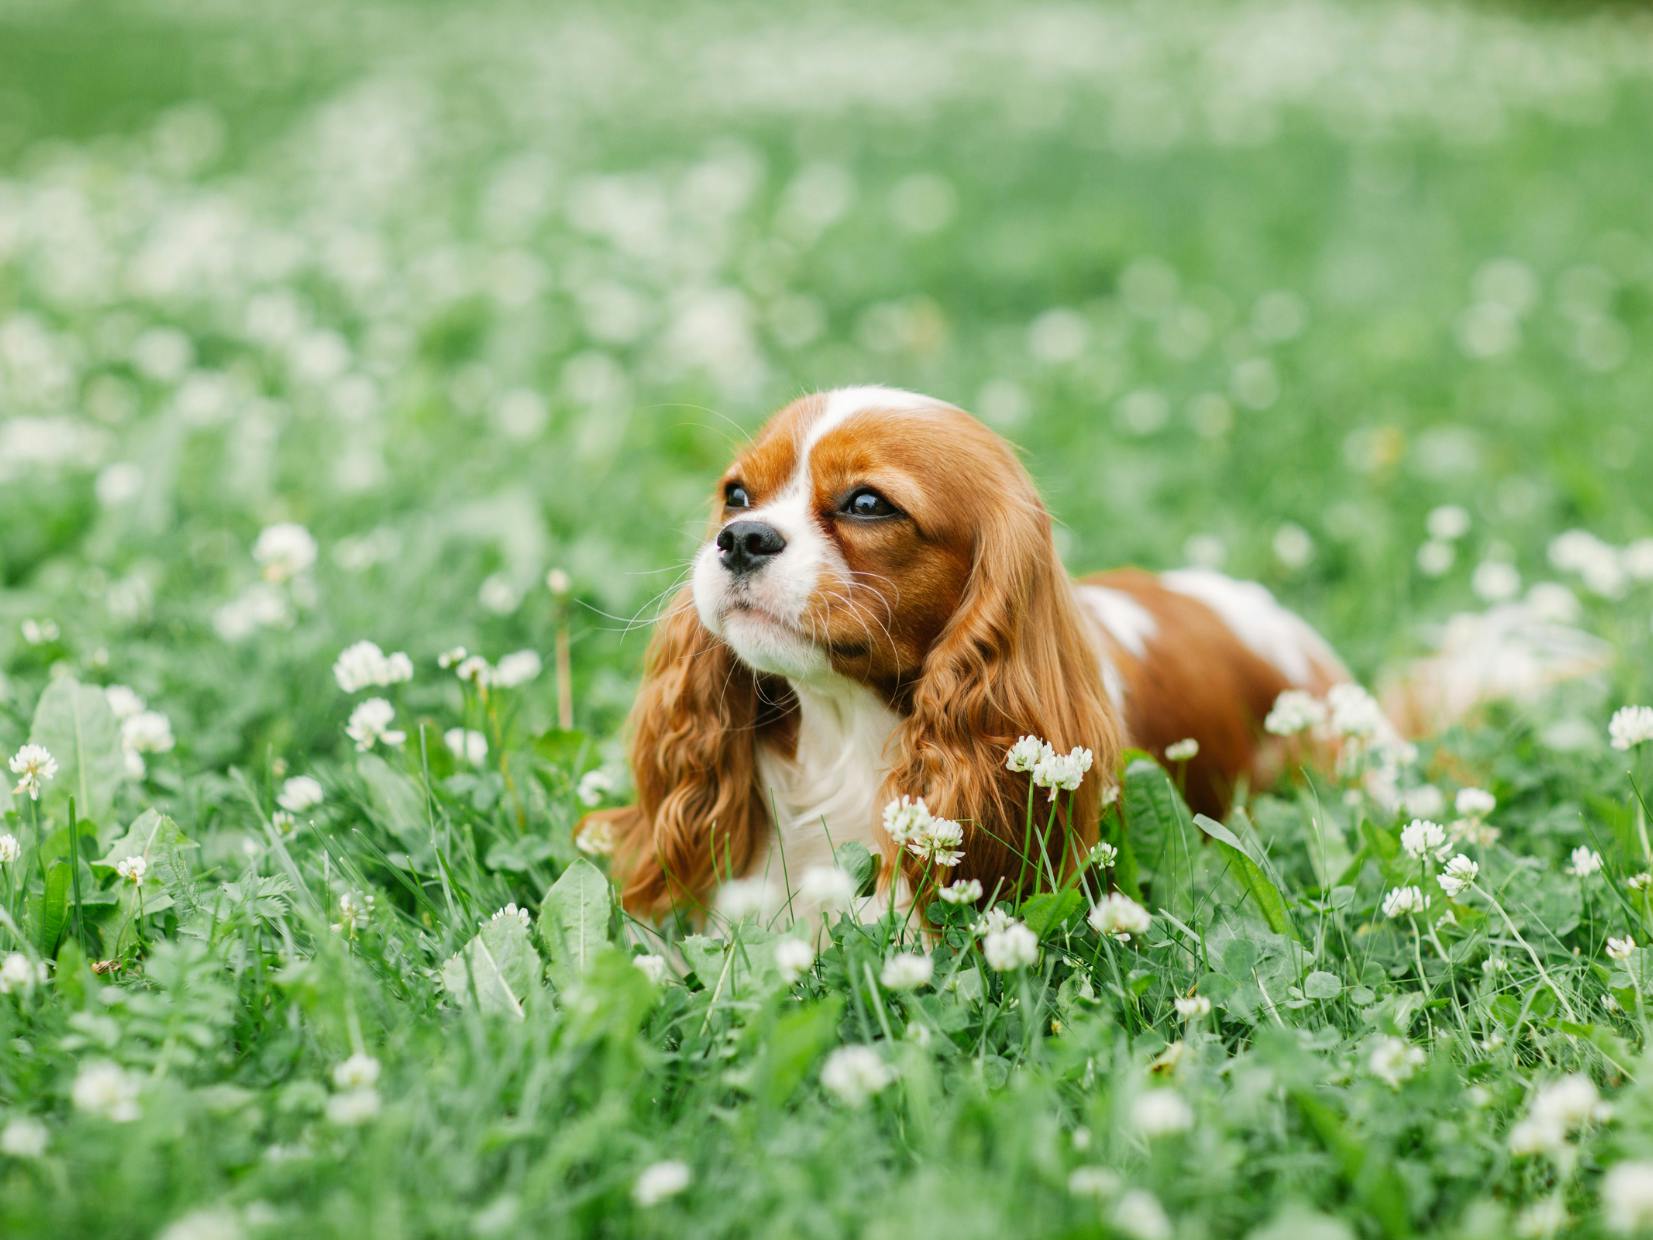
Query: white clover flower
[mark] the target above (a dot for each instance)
(827, 887)
(1024, 755)
(740, 898)
(1553, 602)
(1193, 1007)
(965, 891)
(905, 818)
(218, 1222)
(939, 841)
(1435, 558)
(1110, 795)
(354, 911)
(148, 731)
(1103, 854)
(1585, 862)
(1496, 581)
(19, 974)
(1160, 1113)
(1449, 522)
(1474, 831)
(468, 746)
(1421, 837)
(853, 1074)
(284, 551)
(1631, 726)
(299, 794)
(10, 849)
(652, 967)
(517, 668)
(512, 913)
(1627, 1197)
(1638, 559)
(660, 1181)
(1139, 1215)
(1119, 917)
(794, 958)
(123, 701)
(353, 1108)
(370, 725)
(994, 919)
(1640, 881)
(1542, 1219)
(594, 785)
(360, 1071)
(559, 583)
(1093, 1181)
(363, 665)
(1355, 713)
(107, 1091)
(1394, 1060)
(24, 1138)
(1558, 1109)
(1621, 949)
(451, 658)
(1010, 948)
(1403, 900)
(1475, 803)
(1295, 712)
(1062, 772)
(133, 869)
(499, 595)
(33, 765)
(1184, 750)
(596, 838)
(475, 670)
(1293, 545)
(259, 606)
(1460, 872)
(907, 971)
(39, 632)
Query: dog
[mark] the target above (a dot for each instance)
(878, 612)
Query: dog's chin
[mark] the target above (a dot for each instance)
(771, 646)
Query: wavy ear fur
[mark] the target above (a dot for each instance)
(1014, 659)
(693, 755)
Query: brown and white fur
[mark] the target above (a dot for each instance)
(825, 661)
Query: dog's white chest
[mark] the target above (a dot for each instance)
(826, 794)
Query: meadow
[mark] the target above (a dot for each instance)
(431, 327)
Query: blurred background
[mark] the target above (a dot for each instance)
(1355, 299)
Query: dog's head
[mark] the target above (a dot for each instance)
(889, 539)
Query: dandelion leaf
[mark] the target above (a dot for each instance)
(75, 723)
(573, 922)
(496, 970)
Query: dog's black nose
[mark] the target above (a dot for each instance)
(745, 545)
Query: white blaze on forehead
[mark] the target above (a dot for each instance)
(1127, 621)
(1253, 615)
(842, 404)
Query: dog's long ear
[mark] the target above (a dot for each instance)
(1013, 660)
(693, 753)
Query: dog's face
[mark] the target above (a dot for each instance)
(845, 534)
(892, 540)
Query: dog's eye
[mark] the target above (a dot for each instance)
(735, 496)
(868, 503)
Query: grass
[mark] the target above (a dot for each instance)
(475, 293)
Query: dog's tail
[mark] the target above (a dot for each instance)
(1509, 653)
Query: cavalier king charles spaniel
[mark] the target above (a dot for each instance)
(878, 611)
